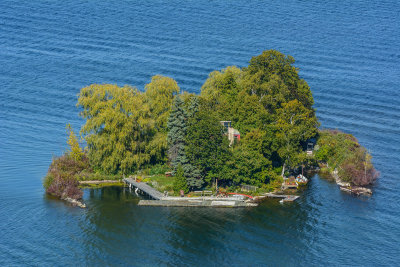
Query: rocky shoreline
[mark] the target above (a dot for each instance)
(351, 189)
(74, 202)
(79, 203)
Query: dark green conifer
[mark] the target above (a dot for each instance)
(177, 132)
(180, 182)
(193, 107)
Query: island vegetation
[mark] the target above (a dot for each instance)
(248, 126)
(341, 154)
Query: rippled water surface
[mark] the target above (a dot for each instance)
(348, 51)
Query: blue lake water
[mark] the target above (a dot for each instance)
(348, 52)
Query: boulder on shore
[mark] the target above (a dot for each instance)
(357, 190)
(75, 202)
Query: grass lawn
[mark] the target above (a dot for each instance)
(96, 176)
(160, 182)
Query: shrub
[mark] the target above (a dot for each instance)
(358, 173)
(65, 186)
(159, 169)
(61, 179)
(342, 151)
(180, 182)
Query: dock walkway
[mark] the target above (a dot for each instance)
(153, 193)
(204, 201)
(188, 202)
(285, 198)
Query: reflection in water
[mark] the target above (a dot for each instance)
(177, 235)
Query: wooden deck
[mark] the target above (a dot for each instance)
(153, 193)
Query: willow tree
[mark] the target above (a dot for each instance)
(159, 94)
(118, 127)
(126, 129)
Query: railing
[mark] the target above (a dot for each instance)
(246, 187)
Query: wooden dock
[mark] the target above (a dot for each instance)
(188, 202)
(204, 201)
(285, 198)
(145, 188)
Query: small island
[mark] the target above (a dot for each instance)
(251, 129)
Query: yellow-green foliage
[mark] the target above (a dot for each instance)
(267, 102)
(48, 180)
(160, 93)
(75, 150)
(101, 185)
(90, 175)
(335, 147)
(125, 129)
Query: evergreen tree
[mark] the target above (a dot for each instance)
(180, 180)
(177, 124)
(193, 107)
(177, 132)
(193, 175)
(192, 172)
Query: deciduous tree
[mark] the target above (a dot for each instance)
(118, 127)
(295, 124)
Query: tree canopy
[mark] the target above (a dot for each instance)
(126, 129)
(248, 125)
(267, 102)
(343, 153)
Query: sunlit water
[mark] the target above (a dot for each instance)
(348, 51)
